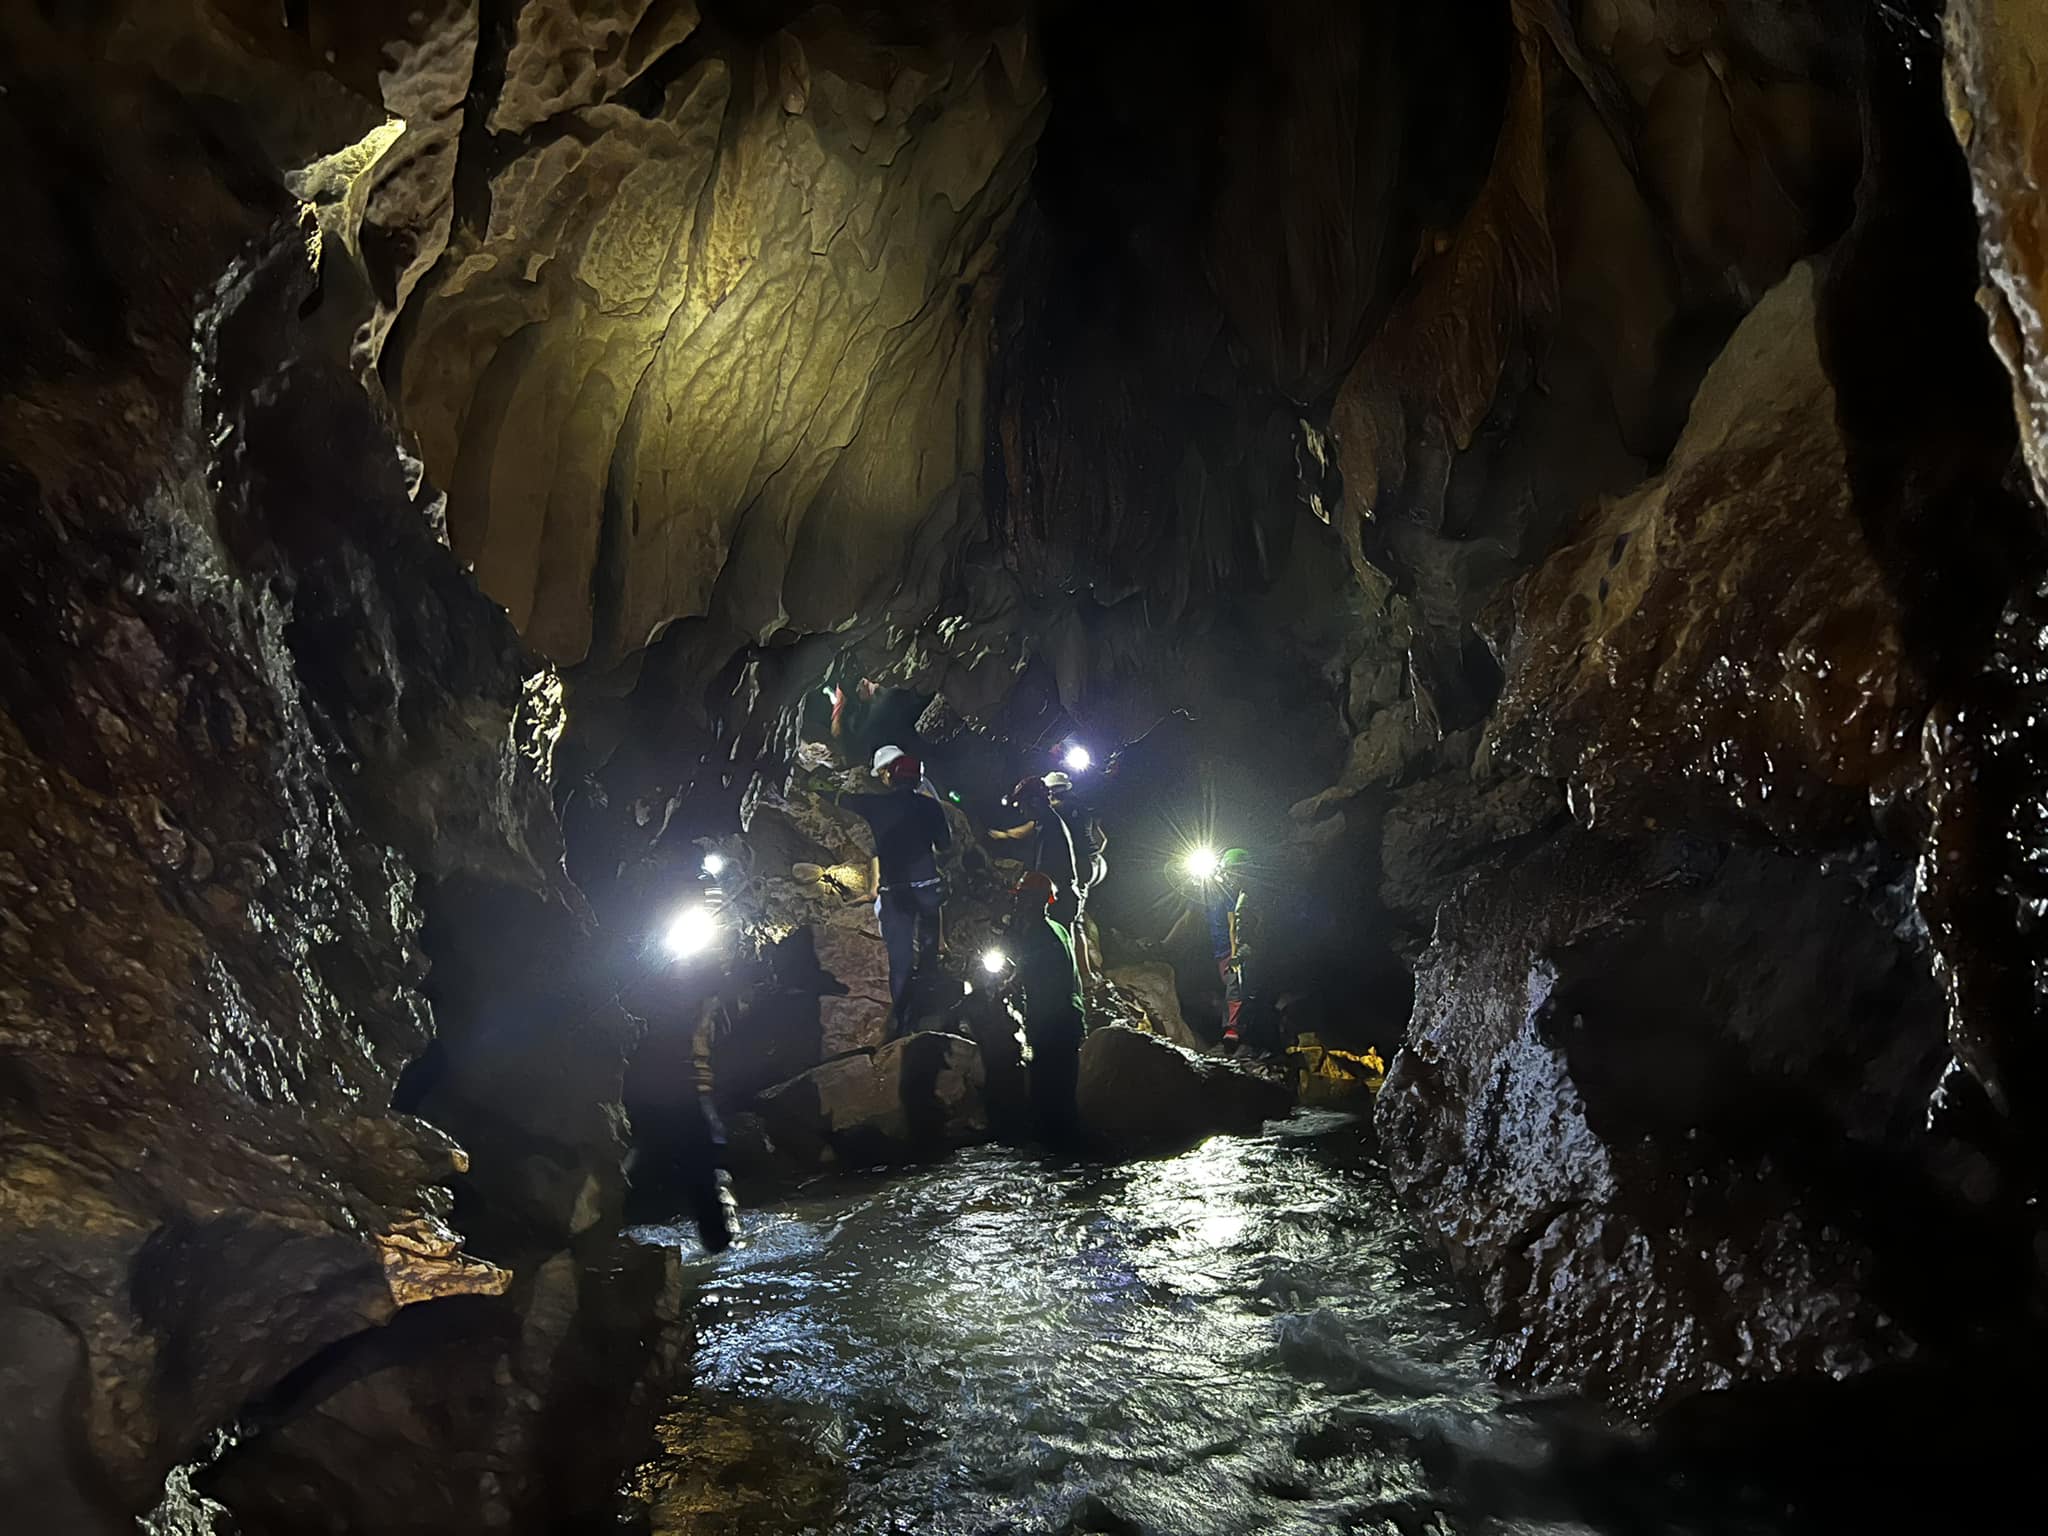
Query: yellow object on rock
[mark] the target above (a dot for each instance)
(1328, 1073)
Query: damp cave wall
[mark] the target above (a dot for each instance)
(1651, 376)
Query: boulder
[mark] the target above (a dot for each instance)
(914, 1096)
(1665, 1107)
(1141, 1095)
(1151, 985)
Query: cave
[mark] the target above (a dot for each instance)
(1542, 502)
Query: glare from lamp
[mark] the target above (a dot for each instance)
(967, 988)
(1079, 759)
(690, 932)
(1203, 863)
(714, 864)
(993, 961)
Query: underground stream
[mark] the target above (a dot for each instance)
(1248, 1337)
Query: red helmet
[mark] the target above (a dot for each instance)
(903, 770)
(1037, 886)
(1030, 791)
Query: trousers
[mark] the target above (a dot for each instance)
(909, 915)
(1055, 1074)
(1233, 994)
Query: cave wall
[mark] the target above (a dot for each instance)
(1802, 638)
(259, 730)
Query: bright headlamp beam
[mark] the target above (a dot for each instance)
(993, 961)
(1079, 759)
(714, 864)
(1203, 863)
(690, 932)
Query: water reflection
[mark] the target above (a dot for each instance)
(1246, 1338)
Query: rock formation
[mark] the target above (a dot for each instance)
(1143, 1095)
(1564, 480)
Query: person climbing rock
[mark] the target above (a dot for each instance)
(1048, 983)
(1220, 900)
(910, 831)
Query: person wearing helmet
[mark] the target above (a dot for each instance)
(1046, 846)
(910, 831)
(1219, 900)
(1049, 984)
(1091, 859)
(678, 1154)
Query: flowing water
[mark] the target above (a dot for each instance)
(1250, 1337)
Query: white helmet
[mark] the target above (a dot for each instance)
(884, 756)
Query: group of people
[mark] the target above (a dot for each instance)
(1044, 960)
(1044, 931)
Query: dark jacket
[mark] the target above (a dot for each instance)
(909, 828)
(1052, 853)
(1047, 975)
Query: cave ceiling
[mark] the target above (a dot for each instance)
(753, 322)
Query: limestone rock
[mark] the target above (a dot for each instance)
(814, 241)
(209, 960)
(1157, 993)
(1141, 1095)
(914, 1096)
(1656, 1101)
(1997, 59)
(257, 736)
(1435, 832)
(1726, 632)
(564, 57)
(363, 1445)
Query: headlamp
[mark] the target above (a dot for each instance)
(1078, 759)
(994, 961)
(714, 864)
(690, 932)
(1203, 863)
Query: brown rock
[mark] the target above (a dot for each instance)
(1997, 62)
(917, 1095)
(1725, 629)
(1140, 1095)
(569, 56)
(1151, 983)
(559, 361)
(1656, 1103)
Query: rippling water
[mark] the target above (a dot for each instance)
(1246, 1338)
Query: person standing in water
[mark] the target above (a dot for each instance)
(1049, 982)
(910, 831)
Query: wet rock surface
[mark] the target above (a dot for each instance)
(915, 1096)
(258, 737)
(1140, 1094)
(1603, 1080)
(1731, 613)
(1994, 59)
